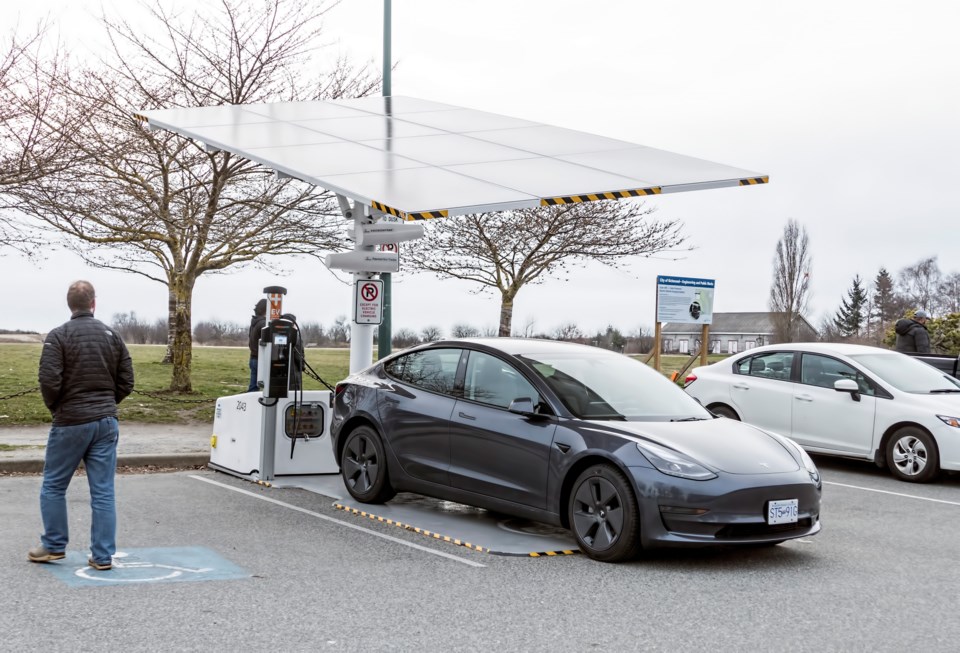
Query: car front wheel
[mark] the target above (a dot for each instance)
(364, 467)
(603, 514)
(725, 411)
(912, 455)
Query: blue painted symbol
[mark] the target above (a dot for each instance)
(167, 565)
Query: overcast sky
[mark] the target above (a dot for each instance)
(852, 108)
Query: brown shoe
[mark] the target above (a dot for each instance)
(100, 566)
(40, 554)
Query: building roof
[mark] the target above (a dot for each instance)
(746, 323)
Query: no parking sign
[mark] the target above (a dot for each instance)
(368, 302)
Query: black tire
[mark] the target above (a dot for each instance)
(364, 467)
(912, 455)
(603, 514)
(725, 411)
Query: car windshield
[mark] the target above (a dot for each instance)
(602, 385)
(907, 374)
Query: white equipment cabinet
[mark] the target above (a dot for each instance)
(254, 441)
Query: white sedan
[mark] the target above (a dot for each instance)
(842, 400)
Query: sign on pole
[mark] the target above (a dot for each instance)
(368, 302)
(685, 300)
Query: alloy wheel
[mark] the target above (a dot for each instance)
(598, 513)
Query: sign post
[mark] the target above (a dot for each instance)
(368, 301)
(684, 300)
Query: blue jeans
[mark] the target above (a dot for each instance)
(253, 376)
(95, 443)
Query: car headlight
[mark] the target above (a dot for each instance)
(674, 463)
(950, 421)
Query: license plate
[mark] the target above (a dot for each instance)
(786, 511)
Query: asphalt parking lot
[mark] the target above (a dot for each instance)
(882, 576)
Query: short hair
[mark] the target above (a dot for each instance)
(80, 296)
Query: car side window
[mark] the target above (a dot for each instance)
(773, 365)
(431, 369)
(492, 381)
(823, 372)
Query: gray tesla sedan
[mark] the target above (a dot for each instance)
(574, 436)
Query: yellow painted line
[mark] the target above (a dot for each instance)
(754, 180)
(593, 197)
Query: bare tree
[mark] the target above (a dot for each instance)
(431, 334)
(568, 331)
(919, 284)
(504, 252)
(464, 331)
(789, 294)
(162, 206)
(949, 292)
(28, 148)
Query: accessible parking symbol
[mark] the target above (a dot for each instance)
(165, 565)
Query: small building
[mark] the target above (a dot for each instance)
(730, 333)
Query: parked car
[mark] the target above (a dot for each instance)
(842, 400)
(943, 362)
(571, 435)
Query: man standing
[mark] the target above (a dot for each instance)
(257, 322)
(85, 371)
(912, 336)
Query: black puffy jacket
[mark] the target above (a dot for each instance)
(85, 371)
(257, 322)
(912, 337)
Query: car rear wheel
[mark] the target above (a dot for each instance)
(603, 514)
(912, 455)
(725, 411)
(364, 467)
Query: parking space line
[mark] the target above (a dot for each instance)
(448, 556)
(896, 494)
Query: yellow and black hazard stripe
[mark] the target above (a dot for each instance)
(263, 483)
(425, 215)
(141, 117)
(754, 180)
(415, 529)
(451, 540)
(593, 197)
(419, 215)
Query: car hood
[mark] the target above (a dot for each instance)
(723, 444)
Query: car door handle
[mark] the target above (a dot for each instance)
(465, 416)
(803, 398)
(741, 386)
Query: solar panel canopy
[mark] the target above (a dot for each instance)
(418, 159)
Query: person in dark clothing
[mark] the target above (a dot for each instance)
(257, 322)
(85, 371)
(912, 336)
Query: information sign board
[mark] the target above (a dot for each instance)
(685, 300)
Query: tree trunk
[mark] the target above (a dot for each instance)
(181, 290)
(506, 315)
(171, 321)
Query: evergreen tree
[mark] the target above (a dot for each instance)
(852, 314)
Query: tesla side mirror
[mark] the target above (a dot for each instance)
(848, 385)
(522, 406)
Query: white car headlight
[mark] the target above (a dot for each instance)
(674, 463)
(950, 421)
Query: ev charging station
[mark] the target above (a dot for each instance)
(408, 159)
(282, 430)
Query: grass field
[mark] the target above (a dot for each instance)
(217, 372)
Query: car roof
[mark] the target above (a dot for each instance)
(516, 346)
(839, 348)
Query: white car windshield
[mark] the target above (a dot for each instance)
(602, 385)
(908, 374)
